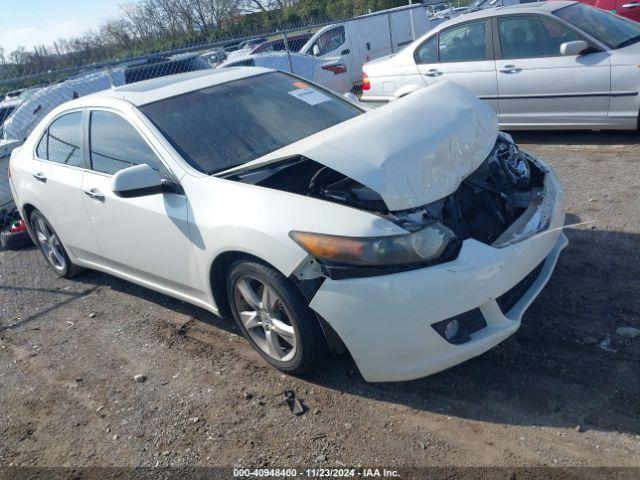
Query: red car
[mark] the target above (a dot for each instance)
(626, 8)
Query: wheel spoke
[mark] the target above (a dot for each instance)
(283, 330)
(269, 300)
(58, 255)
(248, 294)
(250, 320)
(271, 340)
(41, 237)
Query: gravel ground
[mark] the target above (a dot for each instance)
(563, 391)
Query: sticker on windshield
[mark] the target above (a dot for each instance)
(309, 96)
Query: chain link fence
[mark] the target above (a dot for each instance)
(326, 51)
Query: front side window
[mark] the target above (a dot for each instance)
(61, 142)
(116, 145)
(428, 51)
(613, 31)
(464, 43)
(532, 36)
(227, 125)
(329, 41)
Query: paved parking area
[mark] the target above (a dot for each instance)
(564, 390)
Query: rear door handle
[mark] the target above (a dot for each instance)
(433, 73)
(510, 69)
(631, 5)
(95, 194)
(40, 177)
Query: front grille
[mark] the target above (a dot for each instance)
(509, 299)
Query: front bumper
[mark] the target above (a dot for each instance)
(386, 321)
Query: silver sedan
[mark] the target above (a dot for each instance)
(548, 65)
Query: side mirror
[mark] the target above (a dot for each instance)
(137, 181)
(316, 50)
(351, 97)
(571, 49)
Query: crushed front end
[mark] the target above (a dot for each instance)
(505, 219)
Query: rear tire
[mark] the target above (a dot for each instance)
(51, 247)
(275, 318)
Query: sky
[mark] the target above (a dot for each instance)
(36, 22)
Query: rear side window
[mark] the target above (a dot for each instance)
(428, 51)
(61, 142)
(464, 43)
(116, 145)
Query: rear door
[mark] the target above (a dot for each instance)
(628, 8)
(537, 85)
(146, 237)
(57, 169)
(462, 54)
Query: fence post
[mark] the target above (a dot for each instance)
(390, 31)
(413, 25)
(286, 46)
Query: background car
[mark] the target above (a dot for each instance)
(626, 8)
(540, 65)
(295, 43)
(329, 73)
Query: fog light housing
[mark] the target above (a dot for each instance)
(457, 330)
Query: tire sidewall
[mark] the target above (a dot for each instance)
(299, 314)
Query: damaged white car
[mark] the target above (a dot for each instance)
(413, 236)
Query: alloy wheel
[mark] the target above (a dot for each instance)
(50, 245)
(265, 318)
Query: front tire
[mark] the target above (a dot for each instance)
(51, 246)
(275, 318)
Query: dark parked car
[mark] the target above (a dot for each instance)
(161, 66)
(296, 42)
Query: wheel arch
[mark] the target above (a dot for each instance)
(219, 272)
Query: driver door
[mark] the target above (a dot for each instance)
(537, 85)
(332, 45)
(145, 237)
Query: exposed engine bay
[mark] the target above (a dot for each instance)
(485, 205)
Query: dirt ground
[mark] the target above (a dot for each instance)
(564, 390)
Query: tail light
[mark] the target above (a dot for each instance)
(337, 69)
(366, 83)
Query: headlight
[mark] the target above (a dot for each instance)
(422, 246)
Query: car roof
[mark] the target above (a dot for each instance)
(537, 7)
(149, 91)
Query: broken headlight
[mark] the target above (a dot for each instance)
(422, 246)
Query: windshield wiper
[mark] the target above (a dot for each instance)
(629, 41)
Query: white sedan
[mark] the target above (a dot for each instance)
(317, 224)
(538, 65)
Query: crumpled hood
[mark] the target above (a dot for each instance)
(413, 151)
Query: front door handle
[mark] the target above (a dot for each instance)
(40, 177)
(95, 194)
(631, 5)
(510, 69)
(433, 73)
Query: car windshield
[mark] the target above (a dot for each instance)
(613, 31)
(227, 125)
